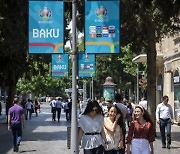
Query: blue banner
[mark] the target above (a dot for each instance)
(102, 26)
(60, 65)
(86, 65)
(46, 26)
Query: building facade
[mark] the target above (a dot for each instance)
(168, 72)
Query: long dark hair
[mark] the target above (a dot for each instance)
(120, 121)
(90, 105)
(146, 115)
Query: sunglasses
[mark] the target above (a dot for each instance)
(95, 110)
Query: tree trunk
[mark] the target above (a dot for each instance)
(11, 90)
(151, 72)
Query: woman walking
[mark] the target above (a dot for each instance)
(141, 133)
(91, 132)
(113, 129)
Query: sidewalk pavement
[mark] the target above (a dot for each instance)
(42, 136)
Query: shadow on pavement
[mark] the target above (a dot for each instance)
(40, 128)
(28, 151)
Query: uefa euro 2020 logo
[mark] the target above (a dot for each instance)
(45, 13)
(101, 12)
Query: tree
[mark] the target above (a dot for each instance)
(42, 84)
(13, 43)
(144, 23)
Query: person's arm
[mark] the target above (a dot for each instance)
(9, 122)
(80, 135)
(130, 136)
(151, 137)
(128, 149)
(121, 144)
(152, 147)
(171, 112)
(104, 138)
(109, 127)
(23, 120)
(157, 114)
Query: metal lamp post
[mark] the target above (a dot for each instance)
(74, 126)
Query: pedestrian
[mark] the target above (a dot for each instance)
(66, 110)
(124, 111)
(0, 108)
(141, 133)
(130, 112)
(59, 106)
(53, 109)
(29, 108)
(143, 103)
(113, 130)
(36, 106)
(164, 117)
(91, 131)
(109, 104)
(70, 108)
(16, 120)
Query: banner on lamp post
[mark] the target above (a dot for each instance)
(86, 65)
(46, 27)
(102, 26)
(60, 65)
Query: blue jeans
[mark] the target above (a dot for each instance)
(17, 134)
(165, 124)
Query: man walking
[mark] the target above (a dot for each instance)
(29, 107)
(58, 108)
(164, 116)
(16, 120)
(53, 109)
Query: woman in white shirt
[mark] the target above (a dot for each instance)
(113, 129)
(91, 132)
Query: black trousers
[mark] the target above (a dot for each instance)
(53, 113)
(58, 113)
(120, 151)
(98, 150)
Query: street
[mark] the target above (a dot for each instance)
(42, 136)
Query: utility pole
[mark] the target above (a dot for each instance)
(74, 125)
(137, 98)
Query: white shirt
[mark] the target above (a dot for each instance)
(29, 105)
(53, 103)
(143, 104)
(91, 125)
(164, 111)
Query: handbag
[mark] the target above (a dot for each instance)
(110, 142)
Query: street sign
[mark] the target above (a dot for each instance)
(86, 65)
(60, 65)
(102, 26)
(46, 27)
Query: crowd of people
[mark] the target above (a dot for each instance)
(120, 127)
(30, 107)
(58, 105)
(105, 127)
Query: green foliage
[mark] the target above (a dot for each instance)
(43, 84)
(13, 40)
(126, 60)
